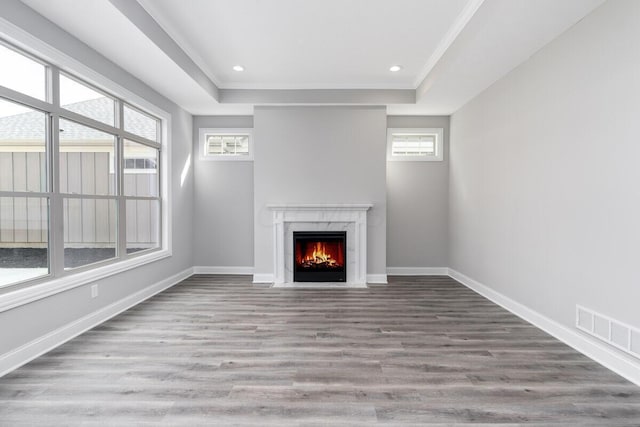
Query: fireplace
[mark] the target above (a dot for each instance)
(290, 218)
(319, 256)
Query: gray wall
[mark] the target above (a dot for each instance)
(320, 155)
(223, 203)
(544, 174)
(28, 322)
(418, 203)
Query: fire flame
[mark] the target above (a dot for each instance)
(320, 253)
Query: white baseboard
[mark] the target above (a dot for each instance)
(377, 278)
(263, 278)
(222, 270)
(608, 357)
(417, 271)
(29, 351)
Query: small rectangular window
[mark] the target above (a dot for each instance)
(226, 144)
(415, 144)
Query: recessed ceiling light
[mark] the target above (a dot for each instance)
(238, 68)
(395, 68)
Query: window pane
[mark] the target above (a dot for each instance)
(234, 145)
(23, 163)
(24, 237)
(89, 231)
(414, 145)
(140, 124)
(82, 99)
(86, 160)
(143, 225)
(22, 74)
(140, 170)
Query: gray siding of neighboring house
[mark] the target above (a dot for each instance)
(87, 223)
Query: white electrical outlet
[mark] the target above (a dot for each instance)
(94, 291)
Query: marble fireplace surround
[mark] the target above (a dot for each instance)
(351, 218)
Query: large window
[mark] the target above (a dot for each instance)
(79, 173)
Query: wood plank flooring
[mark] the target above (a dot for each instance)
(216, 350)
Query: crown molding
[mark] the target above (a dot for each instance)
(318, 96)
(138, 16)
(450, 36)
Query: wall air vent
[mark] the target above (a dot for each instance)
(620, 335)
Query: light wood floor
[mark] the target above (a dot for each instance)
(216, 350)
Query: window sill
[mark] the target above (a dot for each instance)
(226, 158)
(33, 293)
(414, 159)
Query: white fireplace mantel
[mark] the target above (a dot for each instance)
(351, 218)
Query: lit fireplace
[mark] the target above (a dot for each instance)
(319, 256)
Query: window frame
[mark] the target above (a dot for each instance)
(439, 144)
(205, 132)
(60, 279)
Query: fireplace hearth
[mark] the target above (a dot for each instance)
(319, 256)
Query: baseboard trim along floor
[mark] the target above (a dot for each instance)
(417, 271)
(222, 270)
(604, 355)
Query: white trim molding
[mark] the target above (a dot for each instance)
(31, 350)
(607, 357)
(380, 279)
(222, 270)
(450, 36)
(263, 278)
(417, 271)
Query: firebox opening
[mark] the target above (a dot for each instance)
(319, 256)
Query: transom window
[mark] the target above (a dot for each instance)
(415, 144)
(79, 173)
(226, 144)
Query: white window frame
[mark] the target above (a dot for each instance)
(18, 294)
(439, 145)
(203, 133)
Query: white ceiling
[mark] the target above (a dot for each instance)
(308, 44)
(460, 46)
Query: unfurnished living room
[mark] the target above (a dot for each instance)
(319, 212)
